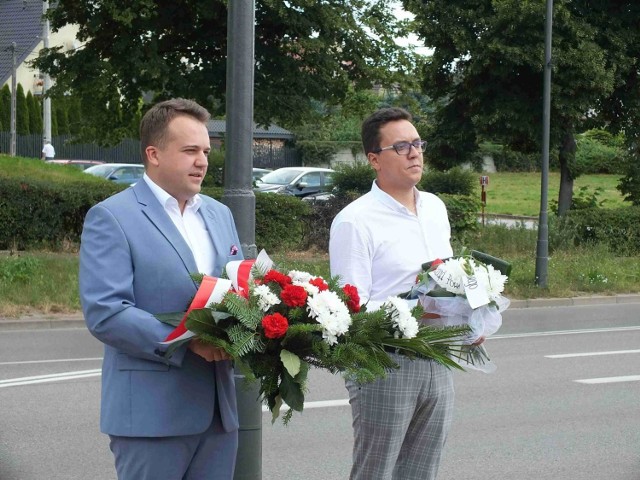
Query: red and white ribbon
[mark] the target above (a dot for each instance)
(213, 290)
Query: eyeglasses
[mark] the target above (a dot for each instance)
(403, 148)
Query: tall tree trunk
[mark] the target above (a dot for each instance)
(567, 157)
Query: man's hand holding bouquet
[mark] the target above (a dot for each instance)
(277, 325)
(465, 290)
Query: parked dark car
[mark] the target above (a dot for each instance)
(296, 181)
(124, 173)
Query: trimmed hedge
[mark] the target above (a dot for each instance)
(42, 205)
(617, 228)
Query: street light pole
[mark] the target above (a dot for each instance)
(46, 101)
(542, 258)
(239, 196)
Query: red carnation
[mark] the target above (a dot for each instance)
(275, 276)
(320, 283)
(435, 264)
(275, 326)
(353, 299)
(294, 296)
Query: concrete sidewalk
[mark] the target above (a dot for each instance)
(76, 320)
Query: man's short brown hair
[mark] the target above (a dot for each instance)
(153, 127)
(378, 119)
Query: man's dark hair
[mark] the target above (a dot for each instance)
(372, 125)
(153, 127)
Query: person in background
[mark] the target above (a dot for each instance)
(169, 418)
(378, 244)
(48, 152)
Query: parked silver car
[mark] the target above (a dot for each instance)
(124, 173)
(297, 181)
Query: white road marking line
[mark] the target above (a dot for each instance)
(54, 377)
(591, 354)
(63, 360)
(319, 404)
(562, 332)
(594, 381)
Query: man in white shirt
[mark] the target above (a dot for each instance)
(48, 152)
(378, 243)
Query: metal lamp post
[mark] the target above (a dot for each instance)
(239, 196)
(542, 257)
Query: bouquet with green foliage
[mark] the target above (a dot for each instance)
(465, 290)
(278, 325)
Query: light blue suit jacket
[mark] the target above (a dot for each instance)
(134, 263)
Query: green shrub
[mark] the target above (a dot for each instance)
(317, 223)
(279, 222)
(618, 229)
(357, 177)
(593, 156)
(43, 206)
(629, 184)
(455, 181)
(507, 160)
(463, 213)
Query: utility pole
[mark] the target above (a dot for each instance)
(239, 196)
(46, 101)
(12, 147)
(542, 258)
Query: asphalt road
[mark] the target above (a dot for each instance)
(563, 404)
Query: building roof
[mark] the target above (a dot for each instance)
(20, 22)
(218, 129)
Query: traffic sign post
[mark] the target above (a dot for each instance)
(484, 181)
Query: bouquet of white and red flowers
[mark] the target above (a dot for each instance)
(465, 290)
(277, 325)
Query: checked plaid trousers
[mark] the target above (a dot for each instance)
(400, 423)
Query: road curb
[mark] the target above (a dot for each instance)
(76, 320)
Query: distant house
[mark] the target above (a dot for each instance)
(21, 23)
(271, 146)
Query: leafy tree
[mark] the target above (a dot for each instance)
(5, 108)
(22, 112)
(487, 70)
(305, 51)
(60, 112)
(35, 113)
(74, 114)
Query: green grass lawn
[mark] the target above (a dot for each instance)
(519, 193)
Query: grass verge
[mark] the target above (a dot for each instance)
(47, 282)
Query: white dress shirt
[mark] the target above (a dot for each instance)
(379, 246)
(190, 225)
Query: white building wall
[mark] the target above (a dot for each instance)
(346, 156)
(29, 77)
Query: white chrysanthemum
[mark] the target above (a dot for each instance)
(406, 324)
(299, 277)
(449, 275)
(330, 312)
(266, 298)
(492, 280)
(310, 289)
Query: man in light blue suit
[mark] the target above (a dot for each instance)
(167, 417)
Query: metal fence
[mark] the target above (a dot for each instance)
(127, 151)
(269, 156)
